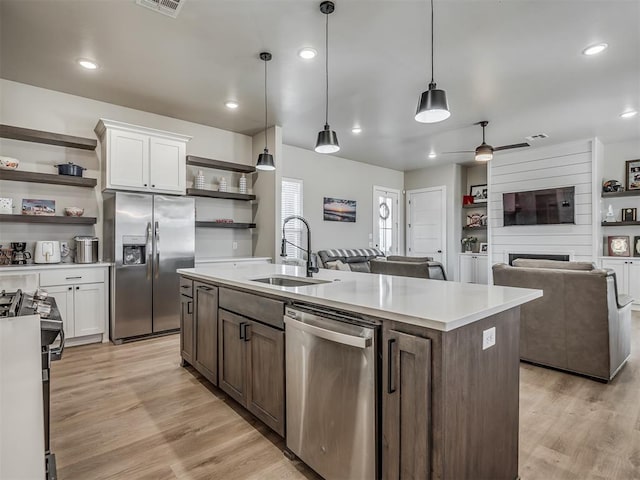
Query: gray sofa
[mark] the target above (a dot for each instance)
(580, 324)
(373, 260)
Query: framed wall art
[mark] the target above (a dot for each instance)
(632, 174)
(619, 246)
(338, 210)
(629, 214)
(480, 193)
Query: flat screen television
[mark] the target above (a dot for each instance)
(539, 207)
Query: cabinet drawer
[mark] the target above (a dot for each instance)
(72, 276)
(263, 309)
(186, 287)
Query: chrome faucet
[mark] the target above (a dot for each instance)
(283, 252)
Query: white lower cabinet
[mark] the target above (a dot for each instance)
(627, 276)
(473, 268)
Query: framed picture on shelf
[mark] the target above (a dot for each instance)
(484, 247)
(619, 246)
(632, 174)
(38, 207)
(636, 246)
(480, 193)
(629, 214)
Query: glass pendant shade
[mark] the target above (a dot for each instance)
(433, 106)
(265, 161)
(327, 141)
(484, 153)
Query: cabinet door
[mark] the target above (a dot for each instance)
(167, 169)
(63, 294)
(88, 309)
(406, 412)
(128, 162)
(232, 356)
(265, 368)
(482, 273)
(186, 328)
(620, 267)
(205, 299)
(466, 268)
(633, 280)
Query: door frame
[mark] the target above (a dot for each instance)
(408, 235)
(374, 214)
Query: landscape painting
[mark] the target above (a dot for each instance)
(337, 210)
(38, 207)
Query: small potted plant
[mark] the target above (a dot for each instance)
(467, 243)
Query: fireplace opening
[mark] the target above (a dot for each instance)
(537, 256)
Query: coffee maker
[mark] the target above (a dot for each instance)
(19, 256)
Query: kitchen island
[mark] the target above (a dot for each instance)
(448, 370)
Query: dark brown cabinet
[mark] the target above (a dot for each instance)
(205, 325)
(251, 362)
(406, 406)
(186, 329)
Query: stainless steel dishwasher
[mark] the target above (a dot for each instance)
(332, 392)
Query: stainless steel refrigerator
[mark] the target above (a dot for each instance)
(147, 237)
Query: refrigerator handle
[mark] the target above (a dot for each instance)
(157, 235)
(149, 250)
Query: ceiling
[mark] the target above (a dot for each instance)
(516, 63)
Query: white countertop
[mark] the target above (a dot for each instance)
(232, 259)
(436, 304)
(51, 266)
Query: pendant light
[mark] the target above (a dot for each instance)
(265, 159)
(433, 106)
(327, 139)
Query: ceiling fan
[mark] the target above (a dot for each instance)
(484, 151)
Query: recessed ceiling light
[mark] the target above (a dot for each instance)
(432, 155)
(356, 130)
(629, 114)
(231, 104)
(88, 64)
(307, 53)
(595, 49)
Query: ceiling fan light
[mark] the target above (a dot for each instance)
(327, 141)
(484, 153)
(433, 106)
(265, 161)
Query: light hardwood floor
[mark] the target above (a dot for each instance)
(131, 412)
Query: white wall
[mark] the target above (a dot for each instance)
(330, 176)
(450, 177)
(615, 156)
(37, 108)
(568, 164)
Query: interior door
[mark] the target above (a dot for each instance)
(426, 223)
(386, 220)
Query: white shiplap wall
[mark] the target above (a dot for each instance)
(565, 165)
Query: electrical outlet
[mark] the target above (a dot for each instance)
(488, 338)
(234, 245)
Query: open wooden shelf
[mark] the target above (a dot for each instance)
(475, 205)
(224, 225)
(195, 192)
(219, 164)
(626, 193)
(49, 138)
(50, 178)
(482, 227)
(58, 219)
(619, 224)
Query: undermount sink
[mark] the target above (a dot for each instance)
(289, 281)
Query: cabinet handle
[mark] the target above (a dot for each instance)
(145, 184)
(77, 288)
(390, 387)
(153, 186)
(70, 288)
(206, 289)
(247, 331)
(72, 278)
(189, 308)
(242, 330)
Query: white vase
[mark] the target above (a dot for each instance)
(199, 181)
(223, 184)
(242, 184)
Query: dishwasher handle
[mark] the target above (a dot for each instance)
(331, 335)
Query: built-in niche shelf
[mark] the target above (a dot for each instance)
(620, 224)
(195, 192)
(225, 225)
(219, 164)
(626, 193)
(49, 178)
(48, 138)
(475, 205)
(8, 218)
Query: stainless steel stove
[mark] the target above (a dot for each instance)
(18, 304)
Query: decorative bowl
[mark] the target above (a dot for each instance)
(8, 163)
(73, 211)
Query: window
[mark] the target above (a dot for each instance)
(292, 205)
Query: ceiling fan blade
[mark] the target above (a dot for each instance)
(462, 151)
(508, 147)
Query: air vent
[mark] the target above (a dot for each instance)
(538, 136)
(171, 8)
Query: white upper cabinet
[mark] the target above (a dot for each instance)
(142, 159)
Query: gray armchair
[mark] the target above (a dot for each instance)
(408, 267)
(580, 324)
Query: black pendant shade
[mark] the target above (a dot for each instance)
(327, 141)
(265, 161)
(433, 106)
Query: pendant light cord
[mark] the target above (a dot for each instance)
(326, 69)
(432, 74)
(265, 107)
